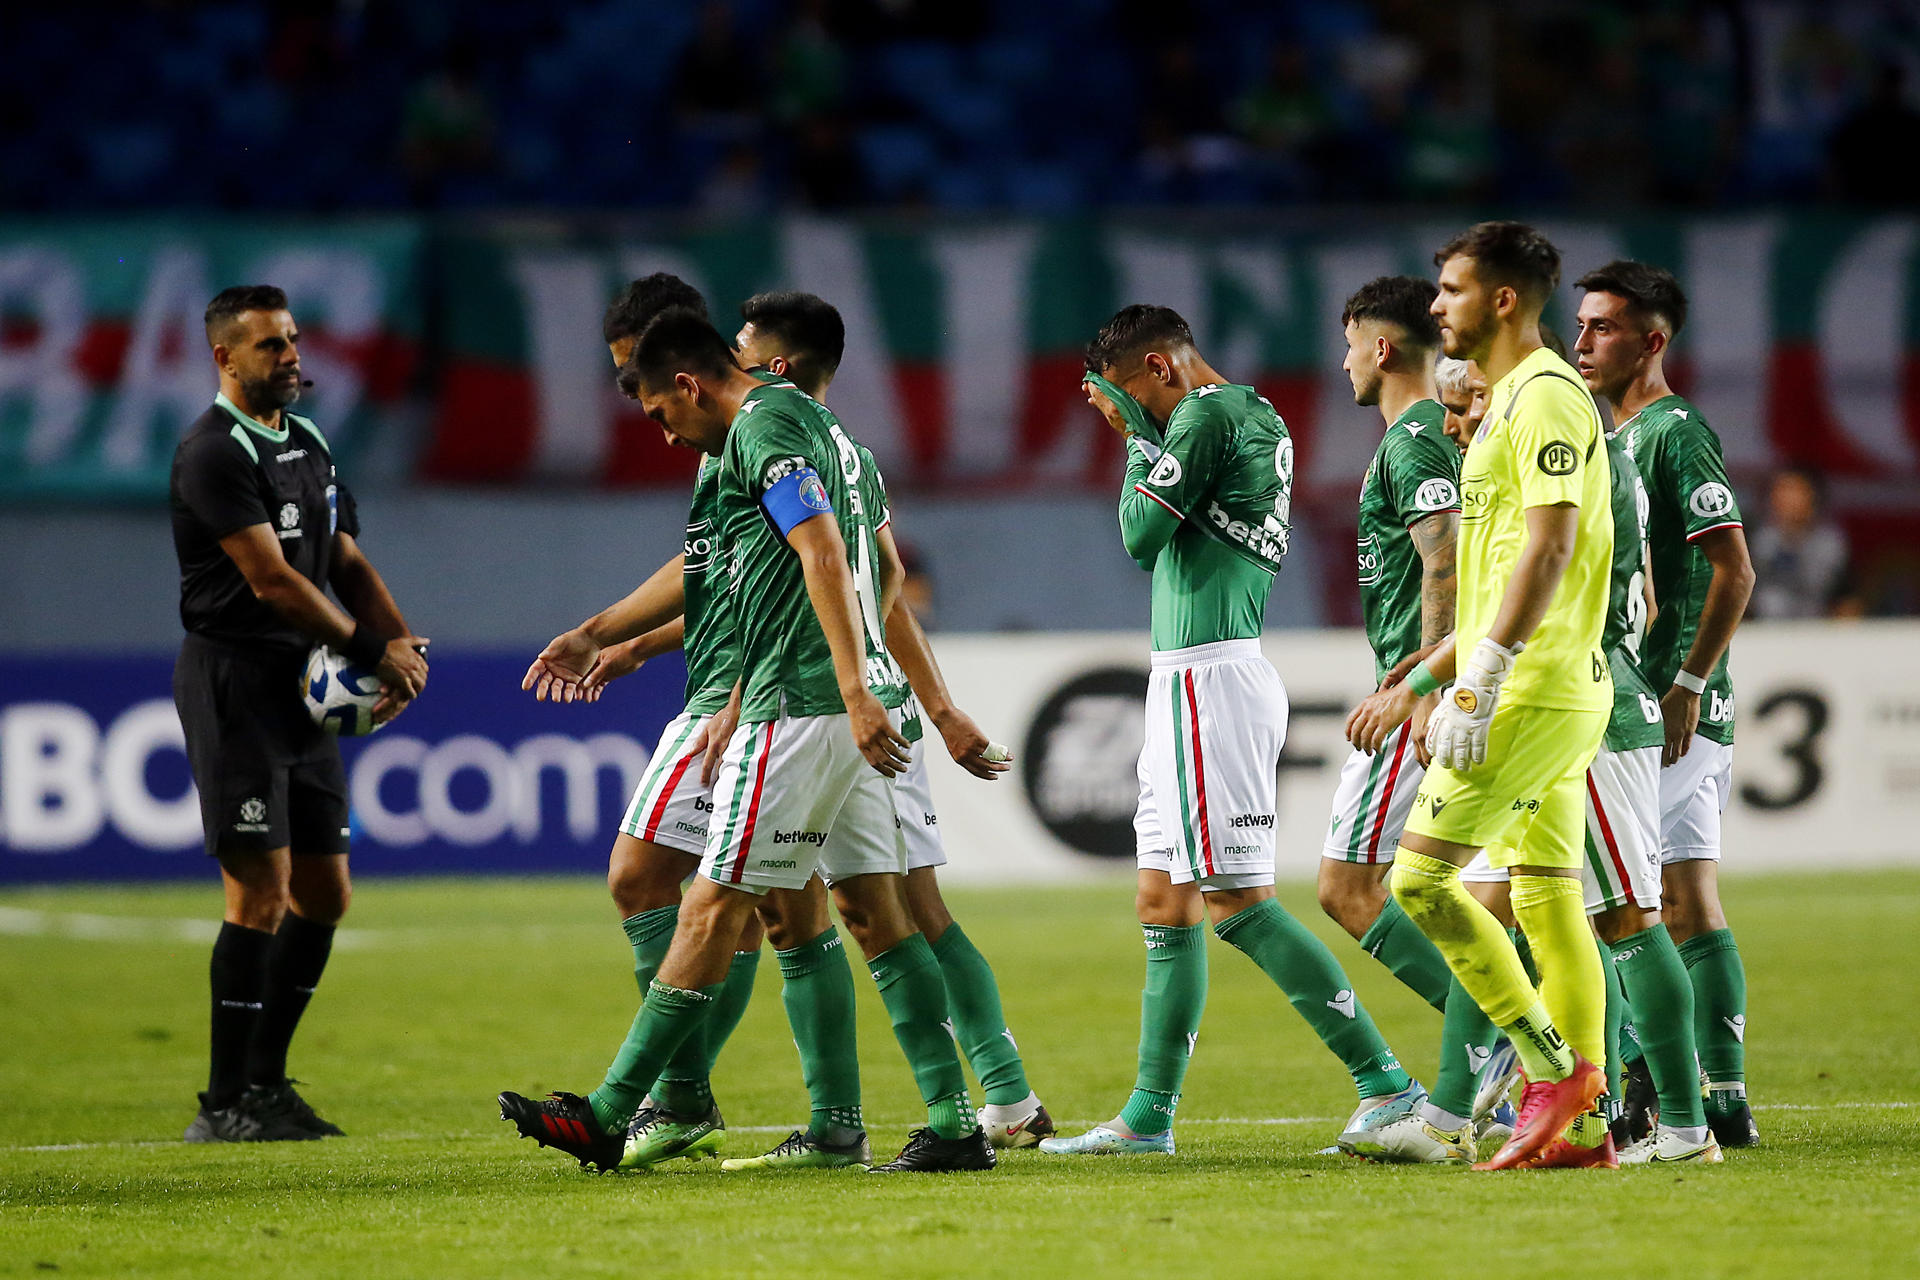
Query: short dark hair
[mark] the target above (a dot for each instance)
(1401, 301)
(678, 340)
(1510, 253)
(1651, 292)
(806, 324)
(1133, 331)
(229, 305)
(645, 298)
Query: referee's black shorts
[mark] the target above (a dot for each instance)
(268, 776)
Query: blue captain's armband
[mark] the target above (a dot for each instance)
(796, 498)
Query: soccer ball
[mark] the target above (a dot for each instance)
(339, 695)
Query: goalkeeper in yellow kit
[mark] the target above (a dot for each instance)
(1512, 739)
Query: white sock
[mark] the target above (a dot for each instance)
(1008, 1116)
(1690, 1133)
(1445, 1121)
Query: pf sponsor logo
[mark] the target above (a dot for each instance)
(1165, 472)
(1558, 458)
(1436, 494)
(1711, 500)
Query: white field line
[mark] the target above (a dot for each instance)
(1185, 1121)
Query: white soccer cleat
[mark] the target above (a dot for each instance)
(1107, 1140)
(1411, 1140)
(1013, 1128)
(1378, 1112)
(1664, 1146)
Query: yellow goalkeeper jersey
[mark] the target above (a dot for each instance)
(1540, 444)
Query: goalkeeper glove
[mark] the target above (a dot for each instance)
(1457, 734)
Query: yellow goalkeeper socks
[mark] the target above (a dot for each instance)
(1551, 911)
(1482, 957)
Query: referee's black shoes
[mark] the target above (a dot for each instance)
(280, 1102)
(242, 1123)
(565, 1122)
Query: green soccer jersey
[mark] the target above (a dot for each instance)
(1635, 721)
(712, 649)
(1226, 478)
(784, 663)
(1415, 473)
(1688, 494)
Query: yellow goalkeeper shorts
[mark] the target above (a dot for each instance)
(1526, 804)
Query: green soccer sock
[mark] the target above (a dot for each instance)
(650, 933)
(1409, 955)
(1719, 1004)
(1171, 1002)
(1655, 979)
(916, 999)
(1466, 1037)
(1303, 968)
(1616, 1016)
(667, 1017)
(974, 999)
(685, 1085)
(817, 989)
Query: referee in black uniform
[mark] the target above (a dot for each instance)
(262, 526)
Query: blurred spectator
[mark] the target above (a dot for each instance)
(717, 79)
(917, 590)
(447, 129)
(1800, 559)
(1286, 117)
(1871, 155)
(825, 168)
(809, 65)
(737, 187)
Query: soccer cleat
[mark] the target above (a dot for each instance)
(1494, 1131)
(1729, 1116)
(1546, 1108)
(1376, 1112)
(801, 1150)
(928, 1152)
(1028, 1132)
(1641, 1107)
(1562, 1154)
(565, 1122)
(1495, 1085)
(1110, 1140)
(1411, 1140)
(284, 1103)
(655, 1135)
(1664, 1146)
(241, 1123)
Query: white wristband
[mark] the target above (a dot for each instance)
(1685, 679)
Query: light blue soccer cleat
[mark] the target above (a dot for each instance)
(1379, 1112)
(1108, 1140)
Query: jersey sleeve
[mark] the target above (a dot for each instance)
(1697, 479)
(778, 468)
(346, 510)
(1423, 475)
(220, 485)
(1555, 437)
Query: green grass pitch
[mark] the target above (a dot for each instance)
(444, 992)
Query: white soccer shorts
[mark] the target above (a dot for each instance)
(671, 806)
(1371, 804)
(795, 796)
(1694, 791)
(1216, 720)
(914, 812)
(1622, 863)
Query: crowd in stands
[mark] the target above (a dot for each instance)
(737, 106)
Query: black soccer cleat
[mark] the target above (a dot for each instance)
(1732, 1125)
(565, 1122)
(928, 1152)
(241, 1123)
(283, 1103)
(1642, 1106)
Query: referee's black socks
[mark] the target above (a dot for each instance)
(293, 967)
(238, 975)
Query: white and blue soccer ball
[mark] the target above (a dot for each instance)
(339, 696)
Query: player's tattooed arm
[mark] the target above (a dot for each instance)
(1436, 537)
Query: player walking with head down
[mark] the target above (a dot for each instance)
(262, 525)
(1207, 513)
(1702, 578)
(1513, 739)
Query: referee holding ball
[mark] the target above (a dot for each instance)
(262, 526)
